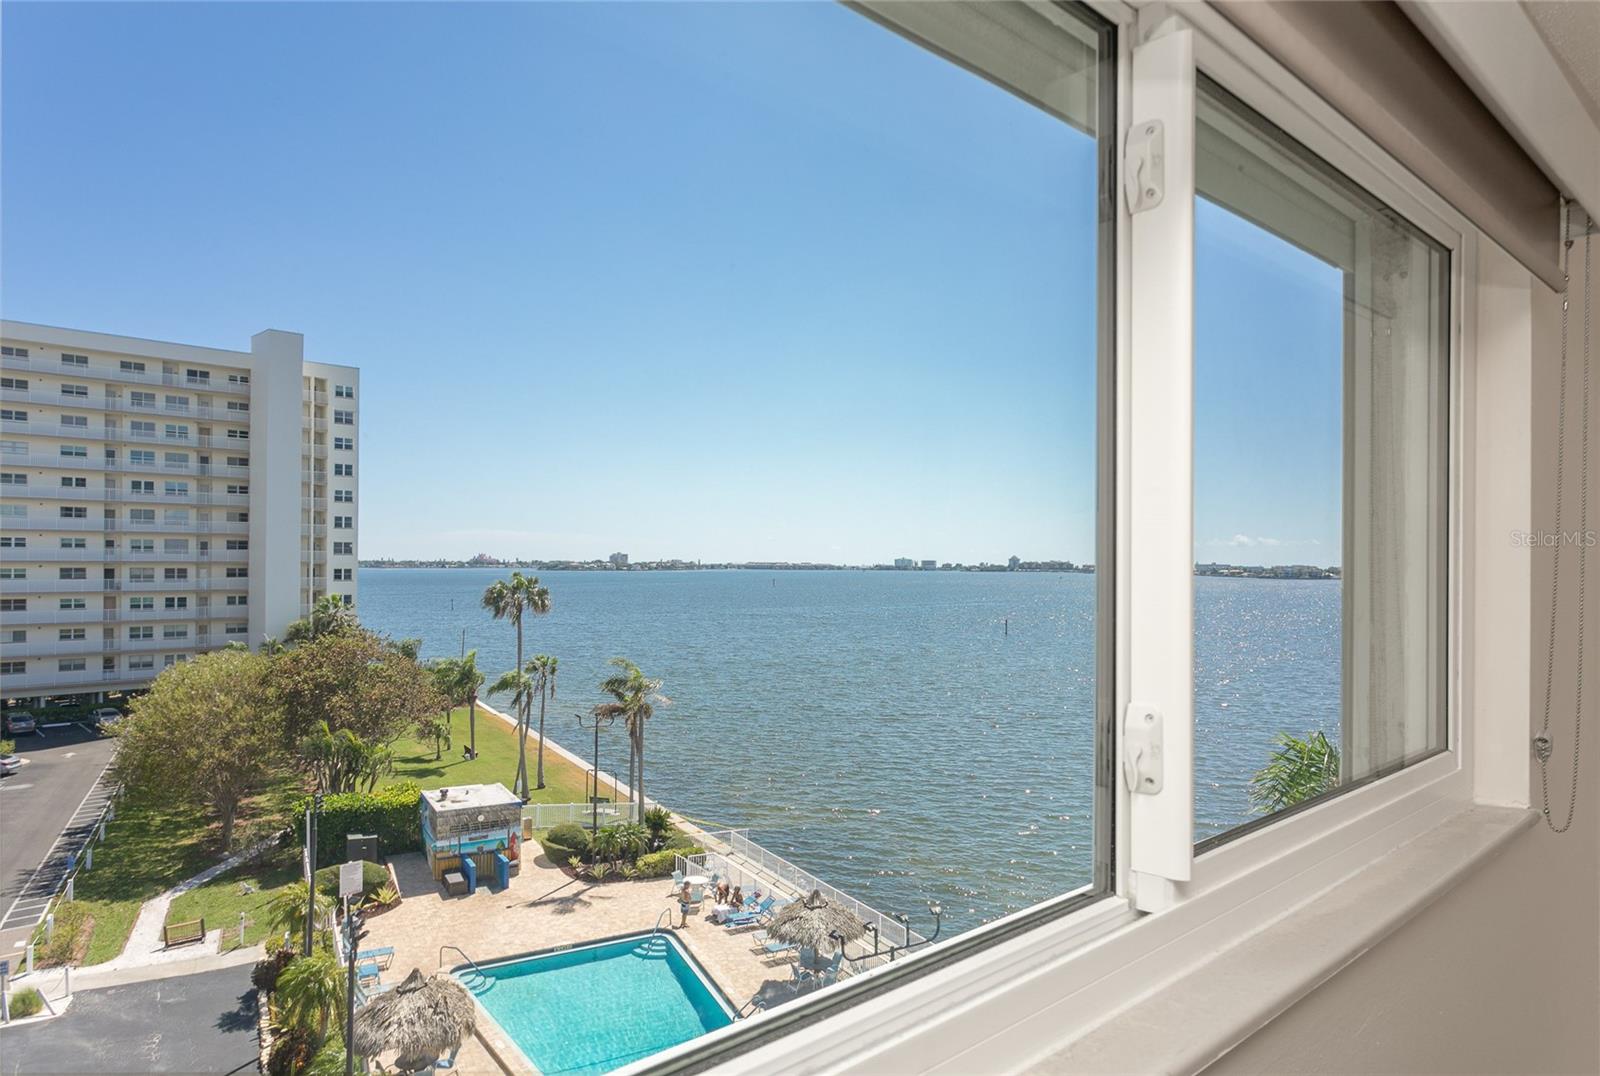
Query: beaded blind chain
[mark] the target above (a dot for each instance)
(1542, 744)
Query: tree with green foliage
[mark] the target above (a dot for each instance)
(351, 680)
(344, 762)
(513, 599)
(469, 681)
(208, 732)
(1299, 770)
(543, 670)
(635, 697)
(309, 990)
(329, 616)
(286, 913)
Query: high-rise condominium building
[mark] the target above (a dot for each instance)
(160, 500)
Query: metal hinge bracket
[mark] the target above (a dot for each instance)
(1141, 749)
(1144, 170)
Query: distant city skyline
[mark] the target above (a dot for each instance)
(721, 282)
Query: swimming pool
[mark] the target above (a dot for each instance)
(594, 1008)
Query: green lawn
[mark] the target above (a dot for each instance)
(496, 761)
(248, 888)
(149, 848)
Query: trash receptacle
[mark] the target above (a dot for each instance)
(502, 870)
(470, 870)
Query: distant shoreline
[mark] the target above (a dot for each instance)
(1206, 571)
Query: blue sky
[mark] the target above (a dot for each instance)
(707, 281)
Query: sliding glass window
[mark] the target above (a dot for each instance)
(1321, 403)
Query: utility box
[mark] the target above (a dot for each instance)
(361, 846)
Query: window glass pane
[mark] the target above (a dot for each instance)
(1321, 398)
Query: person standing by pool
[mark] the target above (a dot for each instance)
(684, 900)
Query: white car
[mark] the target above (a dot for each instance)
(9, 764)
(106, 715)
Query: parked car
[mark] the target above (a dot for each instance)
(20, 721)
(106, 715)
(9, 764)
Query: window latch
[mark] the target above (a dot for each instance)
(1141, 749)
(1144, 171)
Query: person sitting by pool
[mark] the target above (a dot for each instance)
(684, 902)
(737, 898)
(722, 892)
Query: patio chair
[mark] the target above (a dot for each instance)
(746, 919)
(677, 881)
(367, 974)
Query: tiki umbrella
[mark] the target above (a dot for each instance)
(813, 922)
(421, 1019)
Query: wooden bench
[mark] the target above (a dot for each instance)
(183, 933)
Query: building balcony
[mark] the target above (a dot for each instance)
(27, 555)
(52, 646)
(23, 587)
(51, 681)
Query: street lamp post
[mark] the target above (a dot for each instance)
(595, 722)
(312, 815)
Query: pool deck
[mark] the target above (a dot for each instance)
(543, 908)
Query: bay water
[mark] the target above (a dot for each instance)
(907, 736)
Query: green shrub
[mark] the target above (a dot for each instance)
(680, 841)
(292, 1050)
(264, 976)
(391, 813)
(25, 1003)
(8, 747)
(661, 864)
(563, 842)
(374, 876)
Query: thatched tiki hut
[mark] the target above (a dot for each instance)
(471, 821)
(816, 924)
(419, 1021)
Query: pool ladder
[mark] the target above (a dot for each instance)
(479, 980)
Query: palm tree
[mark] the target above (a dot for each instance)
(519, 685)
(1298, 770)
(287, 911)
(607, 843)
(511, 599)
(636, 697)
(445, 673)
(309, 989)
(543, 670)
(329, 616)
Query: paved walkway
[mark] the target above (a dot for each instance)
(145, 944)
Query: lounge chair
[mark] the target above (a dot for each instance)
(746, 919)
(773, 948)
(367, 973)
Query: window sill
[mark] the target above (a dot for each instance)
(1194, 1018)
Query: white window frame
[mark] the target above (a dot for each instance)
(1032, 990)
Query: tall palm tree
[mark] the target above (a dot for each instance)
(468, 681)
(543, 670)
(512, 599)
(445, 673)
(519, 685)
(637, 696)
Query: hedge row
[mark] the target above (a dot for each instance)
(391, 813)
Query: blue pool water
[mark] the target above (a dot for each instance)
(596, 1008)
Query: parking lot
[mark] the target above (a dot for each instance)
(190, 1023)
(36, 804)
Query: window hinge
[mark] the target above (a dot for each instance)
(1141, 749)
(1144, 166)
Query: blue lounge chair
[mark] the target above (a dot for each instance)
(746, 919)
(775, 947)
(367, 973)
